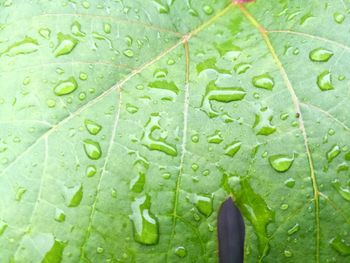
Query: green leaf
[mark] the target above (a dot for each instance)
(126, 124)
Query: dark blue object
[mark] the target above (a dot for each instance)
(231, 233)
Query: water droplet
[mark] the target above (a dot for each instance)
(320, 55)
(128, 53)
(340, 245)
(145, 223)
(332, 153)
(162, 8)
(263, 122)
(92, 127)
(284, 116)
(74, 195)
(66, 44)
(107, 28)
(284, 206)
(288, 253)
(131, 108)
(99, 250)
(76, 29)
(160, 73)
(3, 226)
(208, 9)
(232, 148)
(156, 144)
(26, 46)
(85, 4)
(20, 193)
(60, 215)
(204, 204)
(91, 170)
(114, 193)
(338, 18)
(166, 176)
(47, 248)
(65, 87)
(180, 252)
(92, 149)
(343, 191)
(171, 61)
(294, 229)
(83, 76)
(164, 85)
(194, 167)
(264, 81)
(137, 184)
(343, 167)
(45, 33)
(253, 208)
(324, 81)
(281, 162)
(195, 138)
(82, 96)
(242, 68)
(228, 50)
(215, 138)
(220, 94)
(290, 182)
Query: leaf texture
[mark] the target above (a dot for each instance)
(126, 124)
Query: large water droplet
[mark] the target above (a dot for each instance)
(204, 204)
(281, 162)
(340, 245)
(216, 137)
(263, 122)
(165, 85)
(76, 29)
(232, 148)
(26, 46)
(156, 144)
(137, 184)
(332, 153)
(252, 206)
(66, 44)
(92, 127)
(145, 223)
(220, 94)
(65, 87)
(242, 68)
(92, 149)
(47, 248)
(324, 81)
(320, 54)
(264, 81)
(343, 191)
(74, 195)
